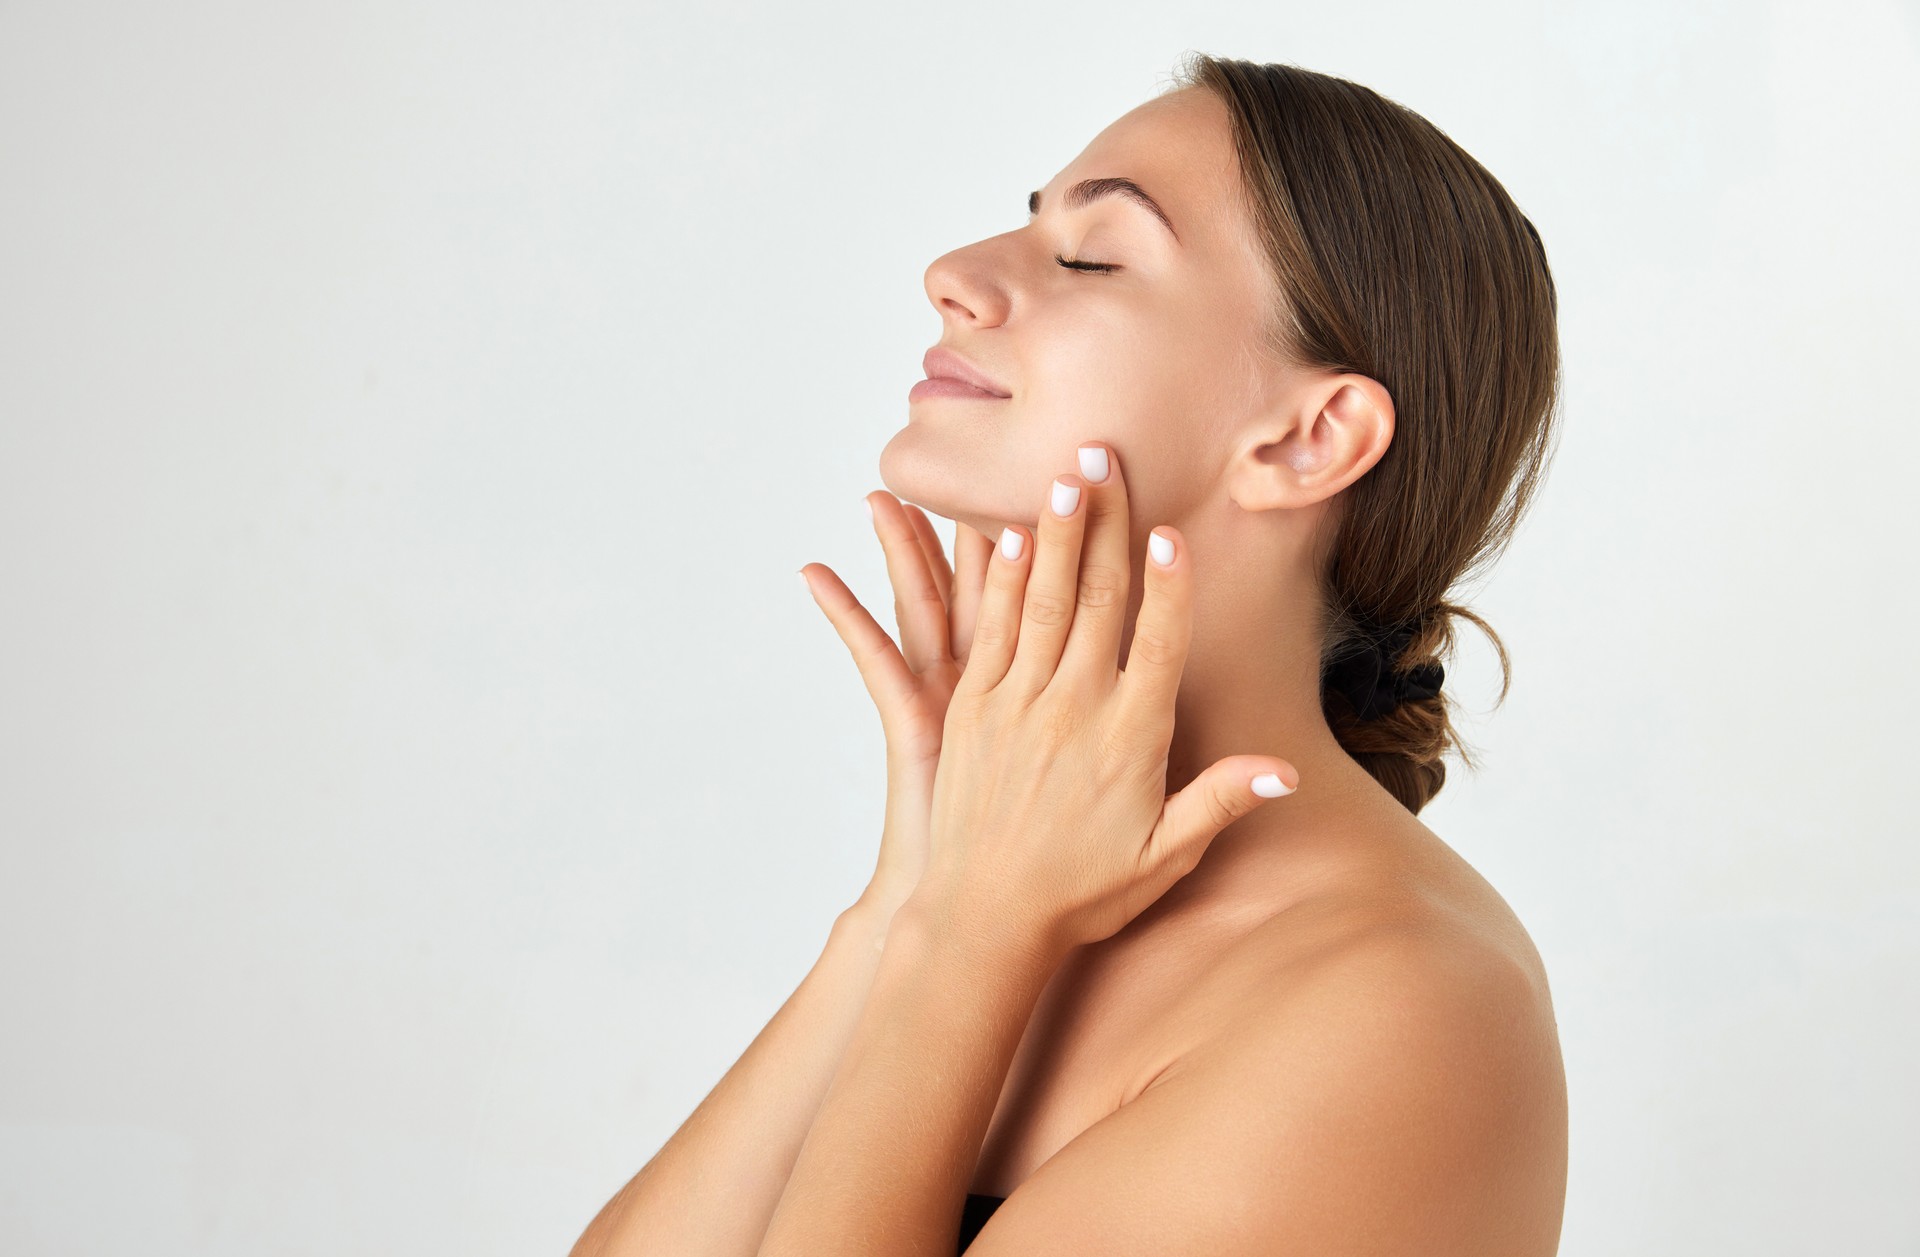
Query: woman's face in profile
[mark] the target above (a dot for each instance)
(1157, 356)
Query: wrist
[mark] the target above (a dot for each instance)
(997, 939)
(883, 894)
(870, 916)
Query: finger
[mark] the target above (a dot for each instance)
(1053, 586)
(1161, 635)
(918, 607)
(972, 551)
(996, 630)
(1092, 648)
(888, 680)
(1219, 796)
(936, 552)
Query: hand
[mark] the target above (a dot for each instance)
(1050, 814)
(911, 684)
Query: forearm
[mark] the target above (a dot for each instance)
(886, 1165)
(711, 1188)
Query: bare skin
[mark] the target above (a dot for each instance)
(1331, 970)
(1245, 457)
(1122, 1013)
(1349, 1002)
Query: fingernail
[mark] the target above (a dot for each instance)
(1161, 548)
(1269, 786)
(1093, 463)
(1010, 543)
(868, 503)
(1065, 498)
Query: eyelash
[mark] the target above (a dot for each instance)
(1073, 264)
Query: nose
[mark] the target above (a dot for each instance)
(963, 288)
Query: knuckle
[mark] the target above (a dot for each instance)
(1154, 647)
(926, 593)
(990, 633)
(1220, 812)
(1102, 586)
(1046, 609)
(966, 708)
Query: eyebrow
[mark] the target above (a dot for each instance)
(1087, 191)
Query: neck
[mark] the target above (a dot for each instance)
(1251, 684)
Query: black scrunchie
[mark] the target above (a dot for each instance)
(1368, 679)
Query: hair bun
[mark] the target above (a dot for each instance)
(1369, 680)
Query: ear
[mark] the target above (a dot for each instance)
(1322, 437)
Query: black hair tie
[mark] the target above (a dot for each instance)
(1369, 681)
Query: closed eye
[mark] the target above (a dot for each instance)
(1075, 265)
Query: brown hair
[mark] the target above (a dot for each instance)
(1399, 257)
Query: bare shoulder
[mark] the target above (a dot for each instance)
(1419, 952)
(1373, 1070)
(1402, 1027)
(1441, 988)
(1426, 933)
(1413, 929)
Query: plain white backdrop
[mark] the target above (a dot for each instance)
(422, 772)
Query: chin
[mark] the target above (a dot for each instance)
(915, 470)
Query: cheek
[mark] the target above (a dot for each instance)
(1141, 403)
(1103, 364)
(1140, 378)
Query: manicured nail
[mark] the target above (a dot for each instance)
(868, 503)
(1161, 548)
(1269, 786)
(1065, 498)
(1093, 463)
(1010, 543)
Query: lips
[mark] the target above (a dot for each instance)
(944, 364)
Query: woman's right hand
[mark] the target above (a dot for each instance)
(934, 605)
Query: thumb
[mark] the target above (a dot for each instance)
(1221, 795)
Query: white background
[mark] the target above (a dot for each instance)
(422, 773)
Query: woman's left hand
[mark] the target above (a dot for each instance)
(1050, 815)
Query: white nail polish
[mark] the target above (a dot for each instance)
(1269, 786)
(1093, 463)
(1161, 548)
(1010, 543)
(1065, 498)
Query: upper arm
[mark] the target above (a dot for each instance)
(1404, 1098)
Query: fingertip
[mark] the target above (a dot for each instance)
(1065, 495)
(1269, 785)
(1162, 547)
(1277, 778)
(1096, 461)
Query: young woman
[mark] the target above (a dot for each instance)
(1270, 369)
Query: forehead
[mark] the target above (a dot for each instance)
(1179, 147)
